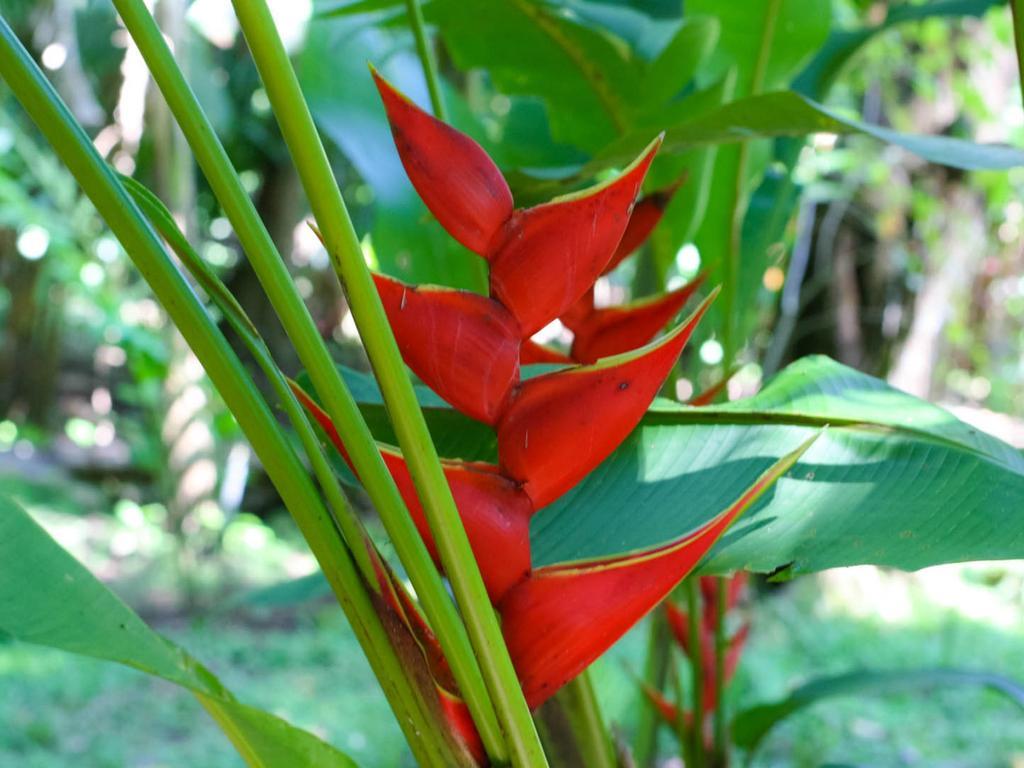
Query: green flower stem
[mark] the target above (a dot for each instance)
(427, 58)
(655, 672)
(232, 382)
(343, 247)
(338, 402)
(693, 610)
(351, 528)
(730, 292)
(592, 738)
(720, 741)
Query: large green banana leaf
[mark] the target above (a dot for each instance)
(893, 481)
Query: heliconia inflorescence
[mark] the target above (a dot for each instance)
(553, 429)
(678, 622)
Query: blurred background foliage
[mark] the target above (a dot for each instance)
(849, 247)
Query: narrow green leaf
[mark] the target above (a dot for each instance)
(785, 113)
(48, 598)
(354, 8)
(751, 726)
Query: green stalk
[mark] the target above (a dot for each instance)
(1017, 12)
(342, 244)
(337, 400)
(693, 608)
(721, 743)
(655, 672)
(592, 738)
(683, 733)
(730, 342)
(351, 528)
(427, 58)
(231, 380)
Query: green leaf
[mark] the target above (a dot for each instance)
(48, 598)
(585, 75)
(785, 113)
(800, 29)
(894, 481)
(356, 7)
(751, 726)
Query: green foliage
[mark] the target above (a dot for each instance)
(70, 610)
(752, 725)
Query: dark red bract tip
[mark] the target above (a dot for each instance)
(454, 176)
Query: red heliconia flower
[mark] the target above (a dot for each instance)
(553, 429)
(678, 622)
(542, 259)
(456, 714)
(532, 353)
(452, 174)
(405, 614)
(610, 331)
(551, 254)
(668, 711)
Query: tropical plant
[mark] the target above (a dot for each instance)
(575, 500)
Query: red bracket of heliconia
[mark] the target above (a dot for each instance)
(469, 348)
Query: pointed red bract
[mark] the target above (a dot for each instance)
(562, 618)
(646, 215)
(578, 313)
(678, 624)
(462, 345)
(454, 176)
(559, 426)
(668, 711)
(614, 330)
(532, 353)
(453, 709)
(494, 510)
(459, 719)
(548, 256)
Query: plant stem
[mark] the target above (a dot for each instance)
(351, 528)
(1017, 13)
(731, 343)
(232, 382)
(655, 670)
(427, 58)
(343, 248)
(721, 743)
(338, 402)
(592, 738)
(693, 608)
